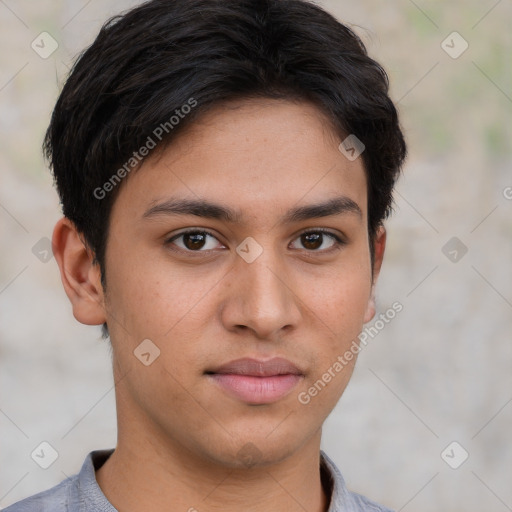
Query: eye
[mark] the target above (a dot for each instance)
(199, 240)
(194, 240)
(320, 240)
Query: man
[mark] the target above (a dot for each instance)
(224, 168)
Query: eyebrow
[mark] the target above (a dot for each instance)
(202, 208)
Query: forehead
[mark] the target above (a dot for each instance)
(259, 156)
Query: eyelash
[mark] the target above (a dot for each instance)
(339, 242)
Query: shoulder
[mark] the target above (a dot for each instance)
(77, 493)
(55, 499)
(363, 504)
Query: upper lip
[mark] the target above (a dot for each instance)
(258, 368)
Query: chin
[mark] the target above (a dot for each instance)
(252, 450)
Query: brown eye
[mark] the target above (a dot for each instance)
(312, 241)
(318, 241)
(194, 241)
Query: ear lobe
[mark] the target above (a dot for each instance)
(370, 308)
(80, 277)
(379, 248)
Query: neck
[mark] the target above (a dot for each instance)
(145, 476)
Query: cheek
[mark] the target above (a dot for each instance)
(149, 300)
(339, 316)
(339, 298)
(148, 296)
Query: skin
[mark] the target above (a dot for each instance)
(179, 435)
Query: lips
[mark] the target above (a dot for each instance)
(255, 381)
(256, 368)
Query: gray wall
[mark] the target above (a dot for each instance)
(439, 372)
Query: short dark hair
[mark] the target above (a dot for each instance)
(147, 64)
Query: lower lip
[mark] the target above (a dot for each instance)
(256, 390)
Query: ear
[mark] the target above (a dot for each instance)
(379, 248)
(80, 277)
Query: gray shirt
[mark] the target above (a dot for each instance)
(81, 492)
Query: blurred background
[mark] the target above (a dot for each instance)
(423, 424)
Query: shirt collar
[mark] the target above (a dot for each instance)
(90, 492)
(337, 490)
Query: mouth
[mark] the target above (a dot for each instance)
(256, 382)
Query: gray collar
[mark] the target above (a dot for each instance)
(90, 496)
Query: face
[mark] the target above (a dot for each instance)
(242, 254)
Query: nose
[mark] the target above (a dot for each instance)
(261, 298)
